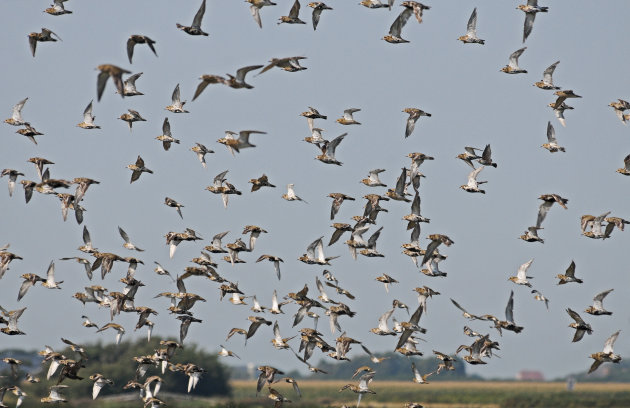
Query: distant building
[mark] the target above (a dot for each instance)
(530, 375)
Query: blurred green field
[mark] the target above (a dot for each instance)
(390, 394)
(480, 394)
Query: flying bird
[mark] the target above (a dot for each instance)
(195, 27)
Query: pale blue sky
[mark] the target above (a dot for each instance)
(348, 66)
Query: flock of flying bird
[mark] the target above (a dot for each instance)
(306, 306)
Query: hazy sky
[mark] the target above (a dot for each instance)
(348, 66)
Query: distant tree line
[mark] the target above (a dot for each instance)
(116, 363)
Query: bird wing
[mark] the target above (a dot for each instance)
(400, 182)
(471, 27)
(175, 98)
(240, 73)
(551, 133)
(509, 309)
(608, 346)
(166, 127)
(197, 20)
(400, 22)
(256, 14)
(514, 58)
(542, 212)
(330, 148)
(50, 274)
(131, 43)
(528, 25)
(123, 234)
(295, 9)
(87, 114)
(382, 321)
(575, 316)
(472, 177)
(522, 270)
(547, 74)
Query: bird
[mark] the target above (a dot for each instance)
(120, 331)
(107, 71)
(417, 377)
(414, 115)
(255, 7)
(569, 275)
(486, 157)
(50, 282)
(128, 244)
(521, 277)
(183, 328)
(579, 325)
(473, 184)
(395, 30)
(508, 323)
(277, 397)
(13, 175)
(54, 395)
(547, 81)
(398, 193)
(606, 355)
(139, 39)
(471, 33)
(57, 9)
(195, 27)
(315, 254)
(318, 7)
(548, 201)
(292, 18)
(227, 353)
(289, 64)
(16, 114)
(44, 36)
(132, 116)
(88, 118)
(562, 96)
(88, 323)
(383, 329)
(539, 296)
(512, 66)
(531, 235)
(625, 170)
(465, 313)
(597, 309)
(386, 280)
(530, 9)
(377, 4)
(373, 179)
(362, 387)
(276, 262)
(30, 132)
(328, 150)
(129, 85)
(256, 322)
(552, 142)
(469, 155)
(166, 137)
(137, 169)
(619, 108)
(347, 118)
(99, 383)
(559, 111)
(291, 196)
(176, 106)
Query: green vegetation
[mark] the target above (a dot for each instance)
(116, 362)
